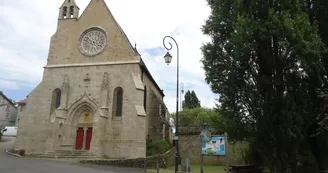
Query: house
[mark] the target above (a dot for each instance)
(8, 111)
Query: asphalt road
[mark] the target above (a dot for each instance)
(12, 164)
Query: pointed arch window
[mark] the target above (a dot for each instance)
(71, 11)
(117, 103)
(56, 96)
(64, 12)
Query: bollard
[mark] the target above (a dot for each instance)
(187, 165)
(183, 164)
(145, 165)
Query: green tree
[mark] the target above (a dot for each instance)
(265, 61)
(190, 100)
(317, 10)
(198, 116)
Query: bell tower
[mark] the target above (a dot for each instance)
(69, 10)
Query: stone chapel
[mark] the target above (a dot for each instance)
(96, 94)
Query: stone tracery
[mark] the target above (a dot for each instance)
(104, 91)
(65, 84)
(104, 84)
(65, 90)
(93, 41)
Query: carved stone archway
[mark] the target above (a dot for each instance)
(80, 116)
(83, 123)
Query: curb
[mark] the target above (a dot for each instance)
(13, 154)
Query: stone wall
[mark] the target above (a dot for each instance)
(64, 43)
(157, 118)
(56, 131)
(163, 160)
(190, 146)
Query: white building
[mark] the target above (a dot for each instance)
(8, 111)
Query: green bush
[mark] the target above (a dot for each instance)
(252, 155)
(157, 147)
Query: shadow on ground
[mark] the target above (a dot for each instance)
(110, 168)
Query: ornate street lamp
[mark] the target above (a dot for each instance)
(181, 94)
(168, 59)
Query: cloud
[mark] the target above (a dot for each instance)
(8, 84)
(26, 28)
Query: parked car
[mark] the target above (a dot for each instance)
(9, 131)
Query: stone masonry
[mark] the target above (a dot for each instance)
(92, 94)
(190, 147)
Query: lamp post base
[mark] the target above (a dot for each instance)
(176, 165)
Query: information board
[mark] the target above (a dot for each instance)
(216, 146)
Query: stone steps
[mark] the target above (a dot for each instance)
(68, 154)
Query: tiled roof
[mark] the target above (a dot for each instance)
(22, 101)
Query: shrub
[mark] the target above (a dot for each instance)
(157, 147)
(252, 155)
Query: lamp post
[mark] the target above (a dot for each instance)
(168, 59)
(181, 94)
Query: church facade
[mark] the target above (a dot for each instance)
(96, 94)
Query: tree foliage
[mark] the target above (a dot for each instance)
(190, 100)
(266, 61)
(317, 10)
(157, 147)
(198, 117)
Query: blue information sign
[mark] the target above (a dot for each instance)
(216, 146)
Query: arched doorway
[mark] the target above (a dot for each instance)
(83, 129)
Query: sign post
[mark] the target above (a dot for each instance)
(213, 145)
(226, 150)
(201, 157)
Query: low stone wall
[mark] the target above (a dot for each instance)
(190, 146)
(163, 161)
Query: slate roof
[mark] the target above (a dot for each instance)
(6, 98)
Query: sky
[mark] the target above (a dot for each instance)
(27, 25)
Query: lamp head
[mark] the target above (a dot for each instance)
(168, 58)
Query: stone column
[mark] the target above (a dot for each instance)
(84, 137)
(64, 93)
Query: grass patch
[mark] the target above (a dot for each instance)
(193, 168)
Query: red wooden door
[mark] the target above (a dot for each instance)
(88, 140)
(79, 139)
